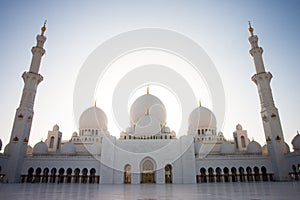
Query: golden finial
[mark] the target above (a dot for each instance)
(199, 103)
(250, 28)
(95, 103)
(147, 89)
(43, 29)
(298, 132)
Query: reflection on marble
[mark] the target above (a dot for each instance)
(253, 191)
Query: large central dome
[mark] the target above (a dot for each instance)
(148, 103)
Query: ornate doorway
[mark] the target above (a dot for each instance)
(127, 174)
(168, 174)
(148, 171)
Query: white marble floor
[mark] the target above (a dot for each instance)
(251, 191)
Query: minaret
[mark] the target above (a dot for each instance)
(269, 113)
(24, 114)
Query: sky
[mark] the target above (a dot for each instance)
(76, 28)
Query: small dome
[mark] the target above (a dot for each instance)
(68, 148)
(29, 149)
(265, 150)
(147, 126)
(93, 118)
(239, 127)
(0, 144)
(145, 103)
(202, 118)
(40, 148)
(55, 127)
(167, 129)
(6, 149)
(296, 142)
(227, 148)
(254, 147)
(75, 134)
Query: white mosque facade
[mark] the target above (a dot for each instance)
(148, 151)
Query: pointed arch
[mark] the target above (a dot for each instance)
(148, 168)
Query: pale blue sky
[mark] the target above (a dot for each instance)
(76, 28)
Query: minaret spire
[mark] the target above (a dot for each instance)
(43, 29)
(24, 114)
(250, 28)
(269, 113)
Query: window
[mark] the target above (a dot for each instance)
(243, 141)
(51, 142)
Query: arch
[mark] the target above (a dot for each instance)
(51, 142)
(226, 174)
(76, 175)
(53, 175)
(211, 177)
(127, 174)
(242, 174)
(37, 177)
(61, 176)
(218, 174)
(148, 168)
(264, 173)
(249, 174)
(84, 175)
(45, 175)
(256, 173)
(92, 178)
(203, 175)
(233, 174)
(243, 141)
(69, 175)
(30, 175)
(168, 174)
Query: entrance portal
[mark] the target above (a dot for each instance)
(148, 171)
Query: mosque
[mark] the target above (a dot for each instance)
(148, 151)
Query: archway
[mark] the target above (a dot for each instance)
(256, 174)
(233, 174)
(45, 175)
(30, 175)
(76, 176)
(92, 175)
(264, 173)
(148, 171)
(69, 175)
(37, 178)
(218, 174)
(127, 174)
(211, 176)
(203, 175)
(226, 174)
(61, 176)
(53, 175)
(84, 175)
(249, 174)
(242, 174)
(168, 174)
